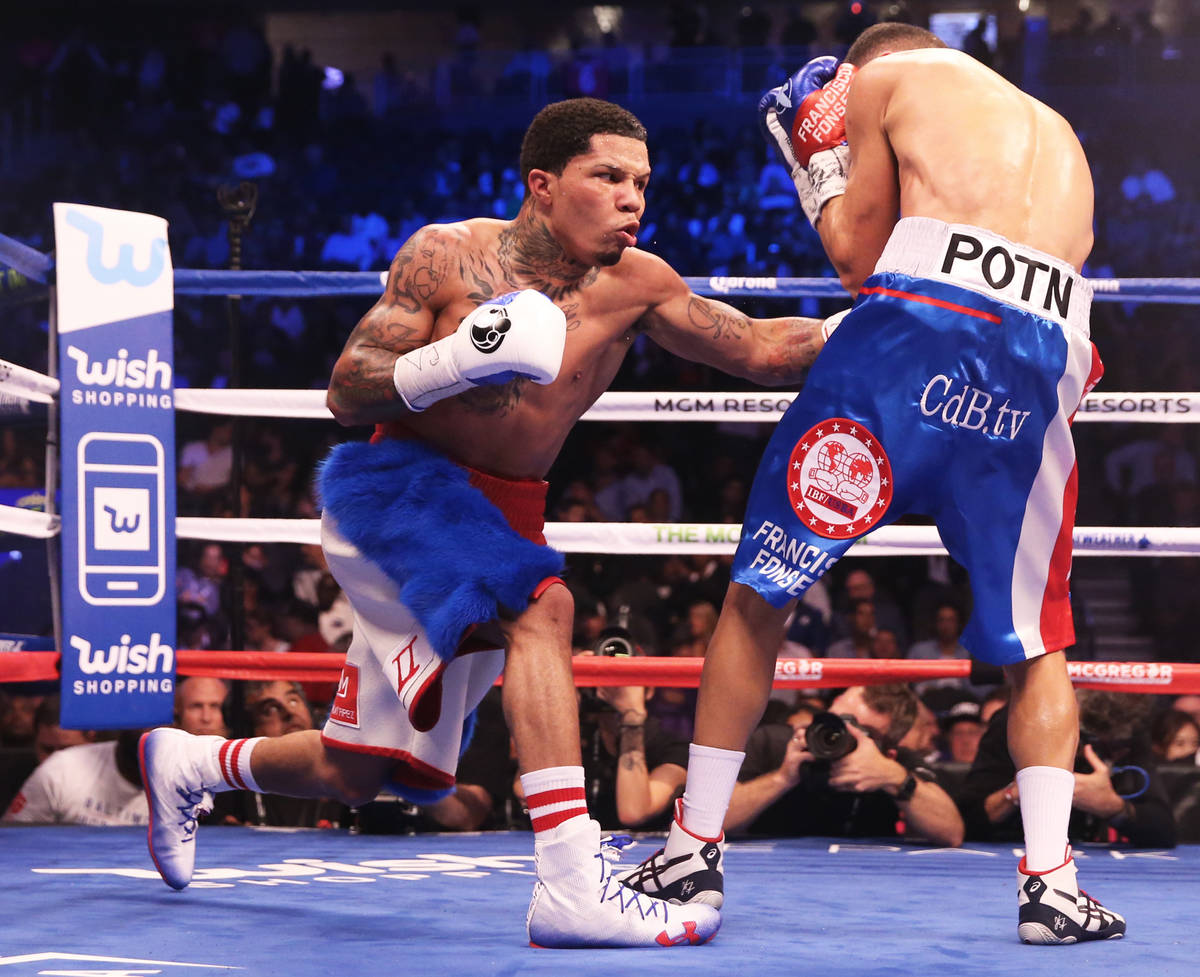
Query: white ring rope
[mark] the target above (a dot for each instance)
(641, 538)
(746, 407)
(26, 384)
(619, 537)
(28, 522)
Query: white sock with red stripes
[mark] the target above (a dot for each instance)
(554, 795)
(233, 760)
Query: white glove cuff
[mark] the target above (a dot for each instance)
(830, 324)
(822, 180)
(428, 374)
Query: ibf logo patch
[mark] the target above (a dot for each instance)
(345, 704)
(839, 479)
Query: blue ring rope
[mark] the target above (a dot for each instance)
(195, 281)
(190, 281)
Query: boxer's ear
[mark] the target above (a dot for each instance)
(541, 185)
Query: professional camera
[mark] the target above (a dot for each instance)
(1128, 782)
(829, 738)
(615, 642)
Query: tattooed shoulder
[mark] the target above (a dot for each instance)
(421, 267)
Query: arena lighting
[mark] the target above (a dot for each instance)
(608, 18)
(856, 8)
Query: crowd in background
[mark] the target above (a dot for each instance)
(143, 122)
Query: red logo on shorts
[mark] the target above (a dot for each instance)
(345, 704)
(839, 479)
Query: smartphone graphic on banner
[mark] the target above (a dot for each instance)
(122, 548)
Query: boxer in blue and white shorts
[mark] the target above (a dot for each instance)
(957, 209)
(963, 413)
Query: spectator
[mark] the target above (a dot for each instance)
(95, 783)
(807, 633)
(1189, 704)
(860, 585)
(648, 472)
(674, 710)
(205, 464)
(200, 705)
(633, 767)
(784, 790)
(201, 585)
(862, 632)
(274, 708)
(1175, 737)
(885, 644)
(942, 693)
(1112, 733)
(277, 707)
(17, 714)
(962, 729)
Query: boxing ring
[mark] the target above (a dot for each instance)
(88, 901)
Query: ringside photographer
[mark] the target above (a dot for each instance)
(1118, 794)
(843, 775)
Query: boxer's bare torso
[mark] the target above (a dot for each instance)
(444, 271)
(933, 133)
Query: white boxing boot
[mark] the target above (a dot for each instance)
(688, 870)
(1051, 908)
(578, 901)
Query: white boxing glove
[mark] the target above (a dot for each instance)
(521, 334)
(830, 324)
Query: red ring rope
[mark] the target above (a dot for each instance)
(1172, 678)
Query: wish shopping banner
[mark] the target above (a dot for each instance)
(115, 296)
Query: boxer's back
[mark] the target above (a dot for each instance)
(973, 149)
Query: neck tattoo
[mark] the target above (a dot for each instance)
(528, 253)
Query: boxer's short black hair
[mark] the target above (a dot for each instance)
(898, 37)
(564, 130)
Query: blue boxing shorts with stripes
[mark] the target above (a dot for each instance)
(947, 391)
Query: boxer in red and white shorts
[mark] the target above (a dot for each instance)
(401, 696)
(491, 339)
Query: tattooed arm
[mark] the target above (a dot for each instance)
(361, 390)
(767, 351)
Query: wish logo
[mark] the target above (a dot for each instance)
(123, 269)
(120, 370)
(125, 658)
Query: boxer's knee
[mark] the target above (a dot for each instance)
(353, 779)
(545, 623)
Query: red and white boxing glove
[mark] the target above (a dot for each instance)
(805, 118)
(521, 334)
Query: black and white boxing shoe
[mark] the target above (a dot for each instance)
(689, 869)
(1051, 908)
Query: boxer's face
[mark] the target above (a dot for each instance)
(596, 205)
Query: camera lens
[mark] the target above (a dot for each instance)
(615, 642)
(827, 737)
